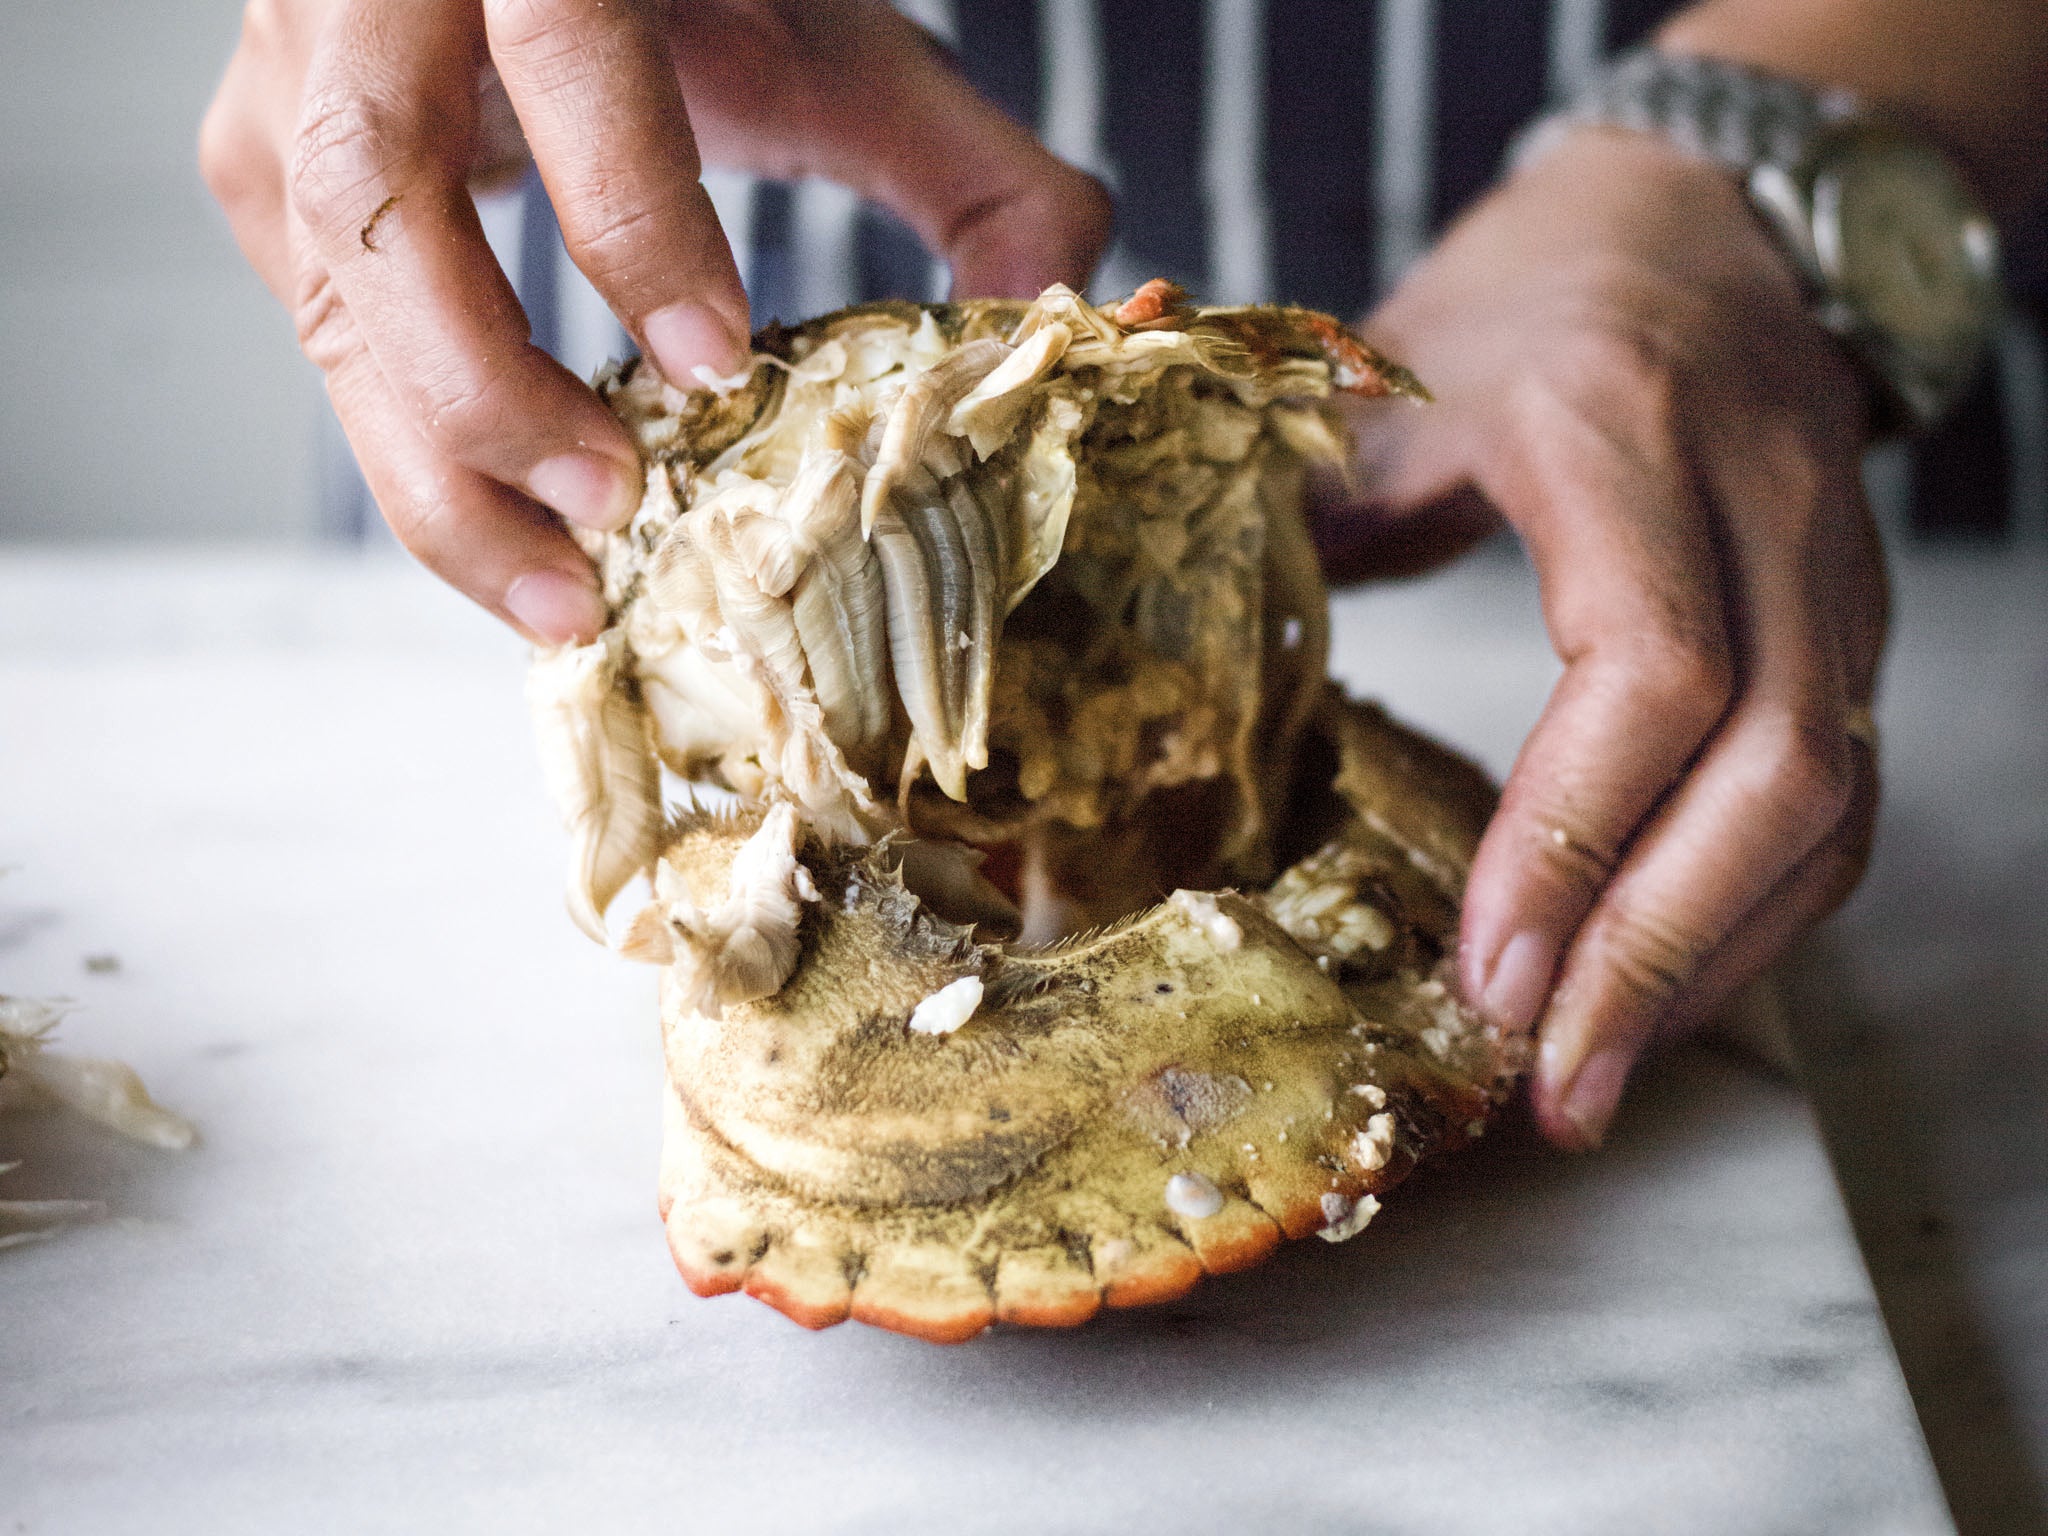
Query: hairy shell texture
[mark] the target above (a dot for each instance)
(1040, 930)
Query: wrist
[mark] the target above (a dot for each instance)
(1892, 252)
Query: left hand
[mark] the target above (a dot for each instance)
(1626, 373)
(346, 136)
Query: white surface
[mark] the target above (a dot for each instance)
(1925, 1009)
(414, 1278)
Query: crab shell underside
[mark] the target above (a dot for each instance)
(925, 586)
(1118, 1114)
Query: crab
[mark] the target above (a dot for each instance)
(1039, 929)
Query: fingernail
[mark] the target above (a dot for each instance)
(1521, 976)
(586, 488)
(686, 337)
(555, 606)
(1589, 1102)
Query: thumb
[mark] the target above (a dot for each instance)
(1409, 498)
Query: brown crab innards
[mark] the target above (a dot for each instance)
(1040, 930)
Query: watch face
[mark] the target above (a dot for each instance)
(1903, 242)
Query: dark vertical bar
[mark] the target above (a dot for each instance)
(771, 283)
(890, 261)
(1152, 62)
(2026, 278)
(1492, 72)
(540, 246)
(1962, 471)
(2025, 236)
(1318, 172)
(999, 44)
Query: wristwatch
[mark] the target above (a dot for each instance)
(1896, 255)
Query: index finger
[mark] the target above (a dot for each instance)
(1632, 596)
(380, 179)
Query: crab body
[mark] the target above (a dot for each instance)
(998, 632)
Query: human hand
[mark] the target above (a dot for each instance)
(342, 143)
(1626, 373)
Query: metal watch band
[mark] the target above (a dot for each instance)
(1736, 117)
(1767, 132)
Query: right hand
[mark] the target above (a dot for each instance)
(1627, 373)
(345, 135)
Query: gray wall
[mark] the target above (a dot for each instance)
(149, 386)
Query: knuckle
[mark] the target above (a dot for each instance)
(458, 409)
(1849, 854)
(345, 152)
(1836, 867)
(417, 514)
(325, 330)
(533, 33)
(1811, 778)
(229, 155)
(1616, 359)
(1603, 409)
(417, 504)
(616, 241)
(1061, 214)
(1575, 859)
(1682, 675)
(1624, 351)
(1789, 480)
(1653, 957)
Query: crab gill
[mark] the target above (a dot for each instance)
(914, 648)
(919, 411)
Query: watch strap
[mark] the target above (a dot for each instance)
(1765, 130)
(1737, 117)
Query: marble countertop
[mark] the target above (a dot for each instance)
(413, 1278)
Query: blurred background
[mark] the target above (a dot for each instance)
(149, 385)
